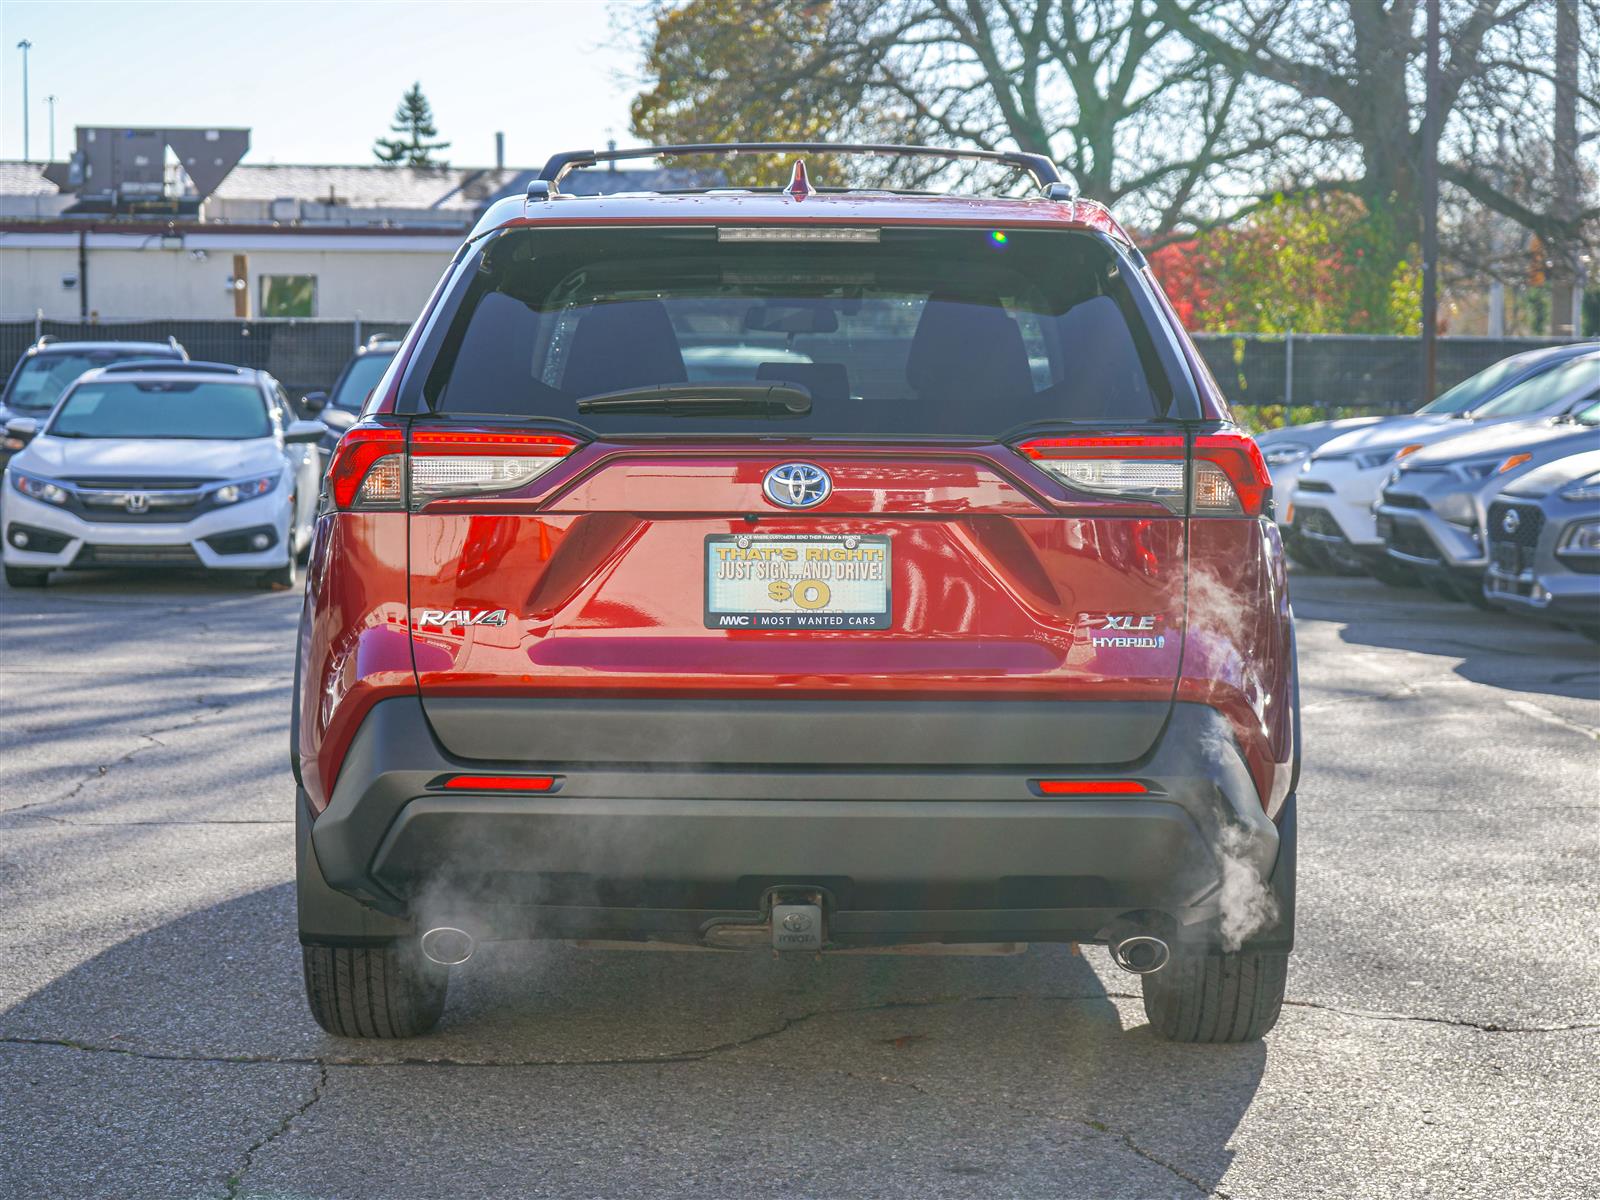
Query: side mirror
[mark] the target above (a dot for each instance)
(304, 431)
(19, 432)
(337, 419)
(313, 402)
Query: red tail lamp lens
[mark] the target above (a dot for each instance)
(357, 451)
(1240, 460)
(1090, 787)
(1230, 476)
(501, 783)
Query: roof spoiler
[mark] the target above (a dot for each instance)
(1046, 175)
(167, 365)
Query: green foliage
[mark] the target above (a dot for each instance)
(1308, 264)
(413, 121)
(730, 71)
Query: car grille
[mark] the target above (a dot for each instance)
(159, 500)
(1406, 538)
(1530, 524)
(1318, 525)
(136, 556)
(1314, 485)
(1403, 500)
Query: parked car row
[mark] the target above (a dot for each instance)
(128, 454)
(1491, 494)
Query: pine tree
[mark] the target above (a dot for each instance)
(413, 121)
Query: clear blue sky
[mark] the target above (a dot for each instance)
(317, 82)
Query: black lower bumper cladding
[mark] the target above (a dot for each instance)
(666, 850)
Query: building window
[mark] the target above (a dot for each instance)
(288, 295)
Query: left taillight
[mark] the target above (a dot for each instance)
(1230, 476)
(449, 462)
(368, 469)
(374, 467)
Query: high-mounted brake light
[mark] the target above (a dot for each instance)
(1230, 475)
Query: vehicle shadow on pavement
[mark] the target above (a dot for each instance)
(1496, 649)
(1004, 1075)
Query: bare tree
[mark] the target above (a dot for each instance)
(1106, 86)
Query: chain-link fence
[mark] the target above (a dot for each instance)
(1286, 379)
(1271, 379)
(302, 355)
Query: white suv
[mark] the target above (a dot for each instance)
(163, 465)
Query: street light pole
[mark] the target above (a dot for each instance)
(25, 45)
(1430, 211)
(51, 101)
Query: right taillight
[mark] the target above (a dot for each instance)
(373, 467)
(1230, 476)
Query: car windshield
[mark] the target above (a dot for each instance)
(212, 410)
(903, 331)
(1542, 391)
(359, 380)
(1472, 391)
(41, 379)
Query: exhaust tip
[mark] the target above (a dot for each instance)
(1141, 954)
(447, 945)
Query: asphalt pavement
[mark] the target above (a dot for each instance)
(1442, 1036)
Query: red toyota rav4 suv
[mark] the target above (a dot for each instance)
(797, 569)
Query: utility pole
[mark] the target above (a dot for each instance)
(1566, 301)
(51, 101)
(25, 45)
(1430, 212)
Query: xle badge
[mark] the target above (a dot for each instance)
(440, 618)
(1124, 631)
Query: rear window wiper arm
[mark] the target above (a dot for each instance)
(777, 401)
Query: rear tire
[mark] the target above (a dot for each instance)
(21, 577)
(374, 991)
(1216, 998)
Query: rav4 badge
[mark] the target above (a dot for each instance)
(440, 618)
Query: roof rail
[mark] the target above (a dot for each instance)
(1045, 173)
(172, 366)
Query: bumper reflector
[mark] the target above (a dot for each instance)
(501, 783)
(1090, 787)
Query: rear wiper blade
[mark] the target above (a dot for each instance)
(778, 401)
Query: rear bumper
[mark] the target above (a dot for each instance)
(954, 854)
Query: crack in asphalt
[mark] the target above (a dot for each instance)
(1539, 713)
(247, 1160)
(101, 770)
(1367, 1014)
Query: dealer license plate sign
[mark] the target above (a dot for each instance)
(797, 581)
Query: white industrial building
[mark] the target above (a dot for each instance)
(331, 242)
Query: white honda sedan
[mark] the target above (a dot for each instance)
(188, 465)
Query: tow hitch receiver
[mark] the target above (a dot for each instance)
(796, 920)
(797, 926)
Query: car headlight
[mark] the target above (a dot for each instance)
(1582, 538)
(1281, 454)
(1376, 458)
(245, 489)
(1587, 488)
(39, 489)
(1478, 468)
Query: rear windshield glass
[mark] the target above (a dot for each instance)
(156, 409)
(1555, 386)
(918, 332)
(359, 379)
